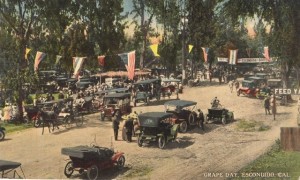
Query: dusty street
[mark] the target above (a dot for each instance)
(194, 154)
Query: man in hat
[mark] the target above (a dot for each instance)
(116, 122)
(129, 128)
(267, 105)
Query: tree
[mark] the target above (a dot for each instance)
(18, 17)
(283, 17)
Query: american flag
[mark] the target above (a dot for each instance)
(101, 60)
(205, 53)
(38, 58)
(266, 53)
(77, 64)
(131, 65)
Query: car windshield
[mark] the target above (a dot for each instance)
(110, 101)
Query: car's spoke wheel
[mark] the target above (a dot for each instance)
(192, 118)
(2, 135)
(37, 122)
(161, 142)
(69, 169)
(93, 172)
(183, 126)
(224, 121)
(121, 162)
(140, 141)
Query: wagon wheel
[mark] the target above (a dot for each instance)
(121, 162)
(93, 172)
(183, 126)
(140, 141)
(69, 169)
(161, 142)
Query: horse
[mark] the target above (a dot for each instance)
(48, 118)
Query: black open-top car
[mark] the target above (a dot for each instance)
(156, 127)
(184, 113)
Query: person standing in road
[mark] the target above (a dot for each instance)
(267, 105)
(299, 105)
(230, 84)
(273, 105)
(116, 122)
(129, 128)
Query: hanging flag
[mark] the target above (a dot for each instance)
(101, 60)
(154, 49)
(58, 57)
(248, 51)
(38, 58)
(26, 53)
(124, 58)
(77, 65)
(205, 53)
(131, 64)
(190, 48)
(266, 53)
(232, 56)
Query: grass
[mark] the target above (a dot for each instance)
(250, 126)
(13, 128)
(276, 161)
(138, 171)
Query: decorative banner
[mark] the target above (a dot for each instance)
(38, 58)
(26, 53)
(154, 49)
(101, 60)
(190, 48)
(248, 51)
(131, 65)
(58, 57)
(205, 53)
(77, 65)
(222, 59)
(252, 60)
(266, 53)
(232, 56)
(124, 58)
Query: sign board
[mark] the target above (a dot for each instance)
(221, 59)
(287, 91)
(252, 60)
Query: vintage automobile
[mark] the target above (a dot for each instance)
(258, 81)
(263, 92)
(8, 170)
(219, 114)
(274, 83)
(248, 88)
(146, 90)
(170, 86)
(113, 101)
(156, 127)
(184, 114)
(92, 160)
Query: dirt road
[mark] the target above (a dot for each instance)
(195, 154)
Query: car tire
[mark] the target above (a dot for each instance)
(192, 118)
(93, 172)
(224, 121)
(69, 169)
(161, 142)
(183, 126)
(121, 162)
(2, 135)
(140, 141)
(102, 117)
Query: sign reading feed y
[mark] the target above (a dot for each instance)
(287, 91)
